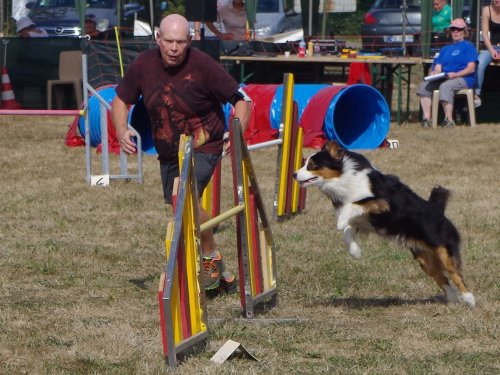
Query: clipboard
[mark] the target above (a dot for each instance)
(436, 77)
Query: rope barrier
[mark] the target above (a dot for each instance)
(43, 112)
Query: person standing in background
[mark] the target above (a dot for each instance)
(441, 16)
(490, 28)
(233, 16)
(196, 35)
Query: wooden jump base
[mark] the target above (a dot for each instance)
(181, 299)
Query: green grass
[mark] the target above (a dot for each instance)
(80, 266)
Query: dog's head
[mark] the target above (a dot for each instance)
(321, 166)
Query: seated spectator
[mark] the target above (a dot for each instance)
(26, 28)
(91, 29)
(458, 60)
(490, 27)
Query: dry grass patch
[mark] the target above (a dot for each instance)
(80, 266)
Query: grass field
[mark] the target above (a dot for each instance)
(79, 269)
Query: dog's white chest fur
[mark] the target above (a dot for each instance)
(351, 186)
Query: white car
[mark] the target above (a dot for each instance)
(288, 36)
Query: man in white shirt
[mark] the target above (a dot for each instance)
(233, 16)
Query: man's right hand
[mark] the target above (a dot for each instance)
(226, 36)
(119, 114)
(127, 144)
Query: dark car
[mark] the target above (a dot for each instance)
(388, 23)
(60, 17)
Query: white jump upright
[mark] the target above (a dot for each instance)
(103, 179)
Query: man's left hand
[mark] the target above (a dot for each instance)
(227, 144)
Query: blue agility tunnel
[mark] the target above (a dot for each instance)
(302, 94)
(138, 118)
(94, 112)
(356, 116)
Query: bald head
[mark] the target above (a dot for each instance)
(174, 23)
(173, 40)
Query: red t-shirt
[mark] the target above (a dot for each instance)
(180, 100)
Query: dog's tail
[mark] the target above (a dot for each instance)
(439, 196)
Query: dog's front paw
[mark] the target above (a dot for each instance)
(342, 223)
(468, 298)
(341, 226)
(454, 297)
(354, 250)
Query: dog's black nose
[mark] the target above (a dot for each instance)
(294, 174)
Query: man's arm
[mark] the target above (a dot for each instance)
(438, 68)
(242, 111)
(242, 107)
(213, 29)
(218, 33)
(119, 115)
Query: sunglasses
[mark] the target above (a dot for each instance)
(453, 29)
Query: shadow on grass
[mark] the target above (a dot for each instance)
(361, 303)
(141, 283)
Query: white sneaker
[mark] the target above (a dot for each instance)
(477, 101)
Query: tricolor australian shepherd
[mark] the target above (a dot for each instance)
(367, 200)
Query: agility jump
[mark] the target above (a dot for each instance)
(289, 198)
(104, 109)
(182, 302)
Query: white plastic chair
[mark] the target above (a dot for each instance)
(471, 110)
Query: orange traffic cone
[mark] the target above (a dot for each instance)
(8, 98)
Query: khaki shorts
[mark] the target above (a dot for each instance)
(447, 88)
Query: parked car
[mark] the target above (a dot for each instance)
(268, 29)
(387, 22)
(283, 24)
(60, 17)
(295, 35)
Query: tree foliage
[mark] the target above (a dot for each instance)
(175, 6)
(349, 23)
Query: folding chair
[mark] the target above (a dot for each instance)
(70, 73)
